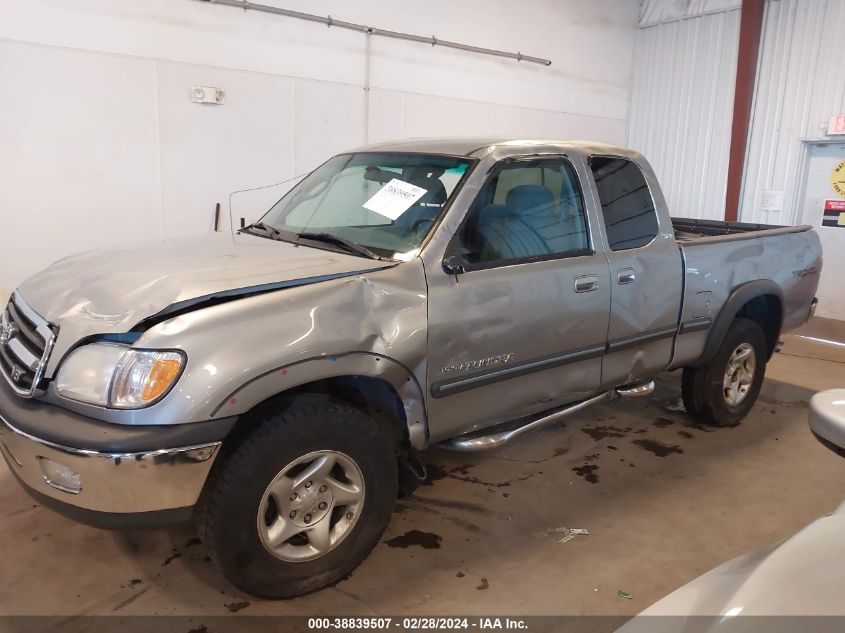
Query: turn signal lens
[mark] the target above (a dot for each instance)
(142, 377)
(60, 476)
(162, 375)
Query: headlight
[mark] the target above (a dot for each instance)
(117, 376)
(86, 374)
(141, 378)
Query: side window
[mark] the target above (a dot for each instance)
(526, 209)
(628, 209)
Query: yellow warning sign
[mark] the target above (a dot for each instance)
(837, 179)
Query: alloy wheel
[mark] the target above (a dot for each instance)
(739, 374)
(311, 506)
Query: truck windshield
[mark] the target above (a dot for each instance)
(385, 202)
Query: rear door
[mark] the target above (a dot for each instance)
(523, 328)
(646, 274)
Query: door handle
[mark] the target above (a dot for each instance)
(626, 276)
(586, 283)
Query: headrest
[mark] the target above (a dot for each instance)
(531, 200)
(493, 211)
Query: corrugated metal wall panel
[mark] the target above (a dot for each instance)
(681, 108)
(800, 84)
(660, 11)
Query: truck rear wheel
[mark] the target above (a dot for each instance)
(723, 392)
(299, 501)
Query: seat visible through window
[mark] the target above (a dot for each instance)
(535, 220)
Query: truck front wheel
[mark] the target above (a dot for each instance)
(723, 392)
(301, 499)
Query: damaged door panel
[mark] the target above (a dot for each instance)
(640, 248)
(528, 317)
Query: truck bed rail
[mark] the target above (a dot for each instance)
(690, 231)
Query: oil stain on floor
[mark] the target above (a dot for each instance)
(658, 448)
(426, 540)
(460, 473)
(601, 432)
(588, 472)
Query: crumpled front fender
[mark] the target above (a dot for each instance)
(287, 377)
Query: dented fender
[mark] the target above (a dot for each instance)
(284, 378)
(118, 290)
(249, 349)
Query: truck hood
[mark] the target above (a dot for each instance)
(802, 575)
(112, 290)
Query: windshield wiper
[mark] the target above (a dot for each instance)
(274, 233)
(349, 245)
(271, 231)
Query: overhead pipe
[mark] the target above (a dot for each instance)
(370, 30)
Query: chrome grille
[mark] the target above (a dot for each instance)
(25, 344)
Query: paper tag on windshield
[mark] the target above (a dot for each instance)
(394, 198)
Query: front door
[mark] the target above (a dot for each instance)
(646, 275)
(523, 329)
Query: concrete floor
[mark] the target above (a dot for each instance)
(663, 499)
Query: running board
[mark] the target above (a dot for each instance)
(483, 442)
(472, 443)
(638, 390)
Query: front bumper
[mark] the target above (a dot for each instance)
(126, 479)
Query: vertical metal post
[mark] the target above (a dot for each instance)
(750, 29)
(368, 35)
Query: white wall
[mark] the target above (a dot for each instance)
(800, 84)
(682, 109)
(682, 101)
(100, 144)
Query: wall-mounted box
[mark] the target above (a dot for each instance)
(208, 94)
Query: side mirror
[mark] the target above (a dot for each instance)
(454, 265)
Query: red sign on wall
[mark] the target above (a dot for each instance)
(834, 213)
(836, 125)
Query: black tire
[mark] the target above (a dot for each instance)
(228, 511)
(702, 387)
(688, 391)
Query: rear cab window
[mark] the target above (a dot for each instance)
(627, 206)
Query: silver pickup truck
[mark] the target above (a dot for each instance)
(277, 384)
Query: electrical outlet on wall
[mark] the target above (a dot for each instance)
(208, 94)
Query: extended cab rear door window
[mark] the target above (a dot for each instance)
(527, 210)
(630, 219)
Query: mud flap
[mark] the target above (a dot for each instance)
(412, 472)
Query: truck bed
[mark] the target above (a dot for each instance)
(689, 230)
